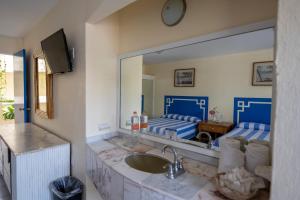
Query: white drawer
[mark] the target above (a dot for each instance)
(6, 177)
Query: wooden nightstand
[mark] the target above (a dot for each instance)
(217, 128)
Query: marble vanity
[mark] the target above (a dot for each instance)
(115, 180)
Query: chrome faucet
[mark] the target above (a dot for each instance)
(174, 169)
(209, 138)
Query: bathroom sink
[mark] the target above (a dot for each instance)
(147, 163)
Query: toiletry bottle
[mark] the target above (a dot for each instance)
(135, 122)
(144, 123)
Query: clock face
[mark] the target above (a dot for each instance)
(173, 12)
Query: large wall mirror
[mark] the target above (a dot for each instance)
(222, 87)
(43, 88)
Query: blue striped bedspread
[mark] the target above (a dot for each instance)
(183, 129)
(248, 131)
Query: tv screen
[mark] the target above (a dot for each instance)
(56, 53)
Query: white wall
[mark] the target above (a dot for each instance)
(102, 41)
(286, 148)
(221, 78)
(131, 87)
(68, 88)
(10, 45)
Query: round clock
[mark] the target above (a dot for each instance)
(173, 12)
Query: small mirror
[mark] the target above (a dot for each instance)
(43, 88)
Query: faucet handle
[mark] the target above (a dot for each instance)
(179, 164)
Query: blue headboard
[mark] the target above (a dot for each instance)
(195, 106)
(252, 110)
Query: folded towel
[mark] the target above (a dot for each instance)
(230, 155)
(256, 155)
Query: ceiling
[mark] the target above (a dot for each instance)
(262, 39)
(17, 17)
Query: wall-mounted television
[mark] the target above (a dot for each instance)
(56, 53)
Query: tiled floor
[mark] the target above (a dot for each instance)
(4, 194)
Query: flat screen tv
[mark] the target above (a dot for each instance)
(56, 53)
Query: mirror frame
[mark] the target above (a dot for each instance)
(49, 90)
(186, 145)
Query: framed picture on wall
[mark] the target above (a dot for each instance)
(184, 77)
(262, 73)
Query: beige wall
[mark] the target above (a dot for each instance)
(220, 78)
(131, 87)
(10, 45)
(141, 26)
(68, 88)
(286, 148)
(102, 41)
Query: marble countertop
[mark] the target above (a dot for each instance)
(195, 184)
(26, 137)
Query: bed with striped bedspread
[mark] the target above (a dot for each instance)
(248, 131)
(185, 127)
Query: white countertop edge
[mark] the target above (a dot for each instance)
(95, 138)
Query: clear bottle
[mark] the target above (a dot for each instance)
(144, 123)
(135, 122)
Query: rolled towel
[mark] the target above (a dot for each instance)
(230, 142)
(230, 155)
(256, 155)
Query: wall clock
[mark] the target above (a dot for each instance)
(173, 12)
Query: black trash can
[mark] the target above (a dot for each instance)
(66, 188)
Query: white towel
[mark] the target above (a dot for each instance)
(256, 155)
(240, 180)
(264, 171)
(230, 155)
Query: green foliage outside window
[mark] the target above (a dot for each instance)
(8, 112)
(2, 79)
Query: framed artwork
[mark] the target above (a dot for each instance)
(262, 73)
(184, 77)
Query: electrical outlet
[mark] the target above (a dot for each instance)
(103, 126)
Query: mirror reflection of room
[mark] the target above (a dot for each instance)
(42, 97)
(43, 88)
(203, 92)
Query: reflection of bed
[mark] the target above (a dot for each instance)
(181, 116)
(183, 128)
(252, 118)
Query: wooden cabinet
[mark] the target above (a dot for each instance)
(215, 127)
